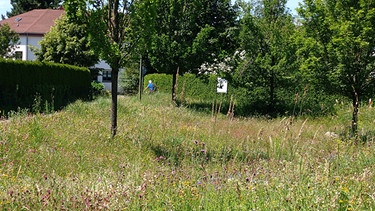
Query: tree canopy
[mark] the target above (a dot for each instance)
(189, 33)
(22, 6)
(8, 41)
(114, 29)
(266, 32)
(67, 43)
(343, 35)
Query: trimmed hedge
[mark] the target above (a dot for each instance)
(199, 92)
(22, 83)
(198, 87)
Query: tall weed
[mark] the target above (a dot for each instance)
(169, 158)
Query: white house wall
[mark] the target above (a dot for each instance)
(25, 42)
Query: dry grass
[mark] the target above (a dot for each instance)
(168, 158)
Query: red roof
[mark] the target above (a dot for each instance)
(36, 22)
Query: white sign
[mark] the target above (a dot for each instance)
(222, 85)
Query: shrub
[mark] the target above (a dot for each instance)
(129, 79)
(97, 88)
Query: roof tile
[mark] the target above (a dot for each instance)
(38, 21)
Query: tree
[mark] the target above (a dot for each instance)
(342, 32)
(189, 33)
(266, 31)
(8, 41)
(67, 43)
(22, 6)
(114, 28)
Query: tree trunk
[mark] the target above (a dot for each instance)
(114, 80)
(355, 115)
(174, 85)
(271, 105)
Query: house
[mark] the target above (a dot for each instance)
(32, 26)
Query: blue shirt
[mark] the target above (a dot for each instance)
(150, 86)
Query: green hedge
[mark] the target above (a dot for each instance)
(200, 93)
(22, 83)
(199, 87)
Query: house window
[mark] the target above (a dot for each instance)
(106, 75)
(18, 55)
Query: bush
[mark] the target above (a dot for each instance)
(97, 88)
(129, 79)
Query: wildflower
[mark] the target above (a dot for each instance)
(345, 190)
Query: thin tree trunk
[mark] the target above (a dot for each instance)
(271, 105)
(272, 93)
(114, 80)
(355, 115)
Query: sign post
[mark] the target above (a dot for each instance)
(222, 85)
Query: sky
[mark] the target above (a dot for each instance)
(6, 7)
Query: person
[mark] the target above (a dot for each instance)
(151, 86)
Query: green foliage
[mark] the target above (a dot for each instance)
(22, 6)
(191, 33)
(8, 41)
(163, 82)
(129, 78)
(344, 52)
(344, 48)
(97, 88)
(120, 23)
(200, 93)
(67, 43)
(114, 30)
(198, 87)
(266, 35)
(35, 84)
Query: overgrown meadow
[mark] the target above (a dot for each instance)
(170, 158)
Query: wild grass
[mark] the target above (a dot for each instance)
(169, 158)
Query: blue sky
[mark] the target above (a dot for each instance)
(6, 7)
(292, 4)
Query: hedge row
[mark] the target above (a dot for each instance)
(199, 92)
(24, 84)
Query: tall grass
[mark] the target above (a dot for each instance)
(169, 158)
